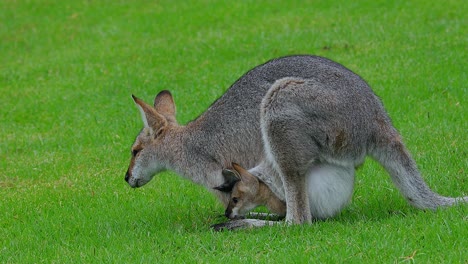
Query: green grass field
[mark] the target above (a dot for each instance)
(68, 68)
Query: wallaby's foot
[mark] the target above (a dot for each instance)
(243, 224)
(297, 201)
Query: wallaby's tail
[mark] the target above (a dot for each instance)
(405, 175)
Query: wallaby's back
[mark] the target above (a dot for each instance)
(236, 114)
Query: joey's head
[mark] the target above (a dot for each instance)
(243, 188)
(147, 158)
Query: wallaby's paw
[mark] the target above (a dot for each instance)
(243, 224)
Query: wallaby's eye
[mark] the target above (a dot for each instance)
(135, 152)
(235, 200)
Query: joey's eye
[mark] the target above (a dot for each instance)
(235, 200)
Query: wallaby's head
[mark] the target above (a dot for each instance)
(146, 157)
(243, 187)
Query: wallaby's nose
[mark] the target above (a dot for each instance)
(227, 213)
(127, 176)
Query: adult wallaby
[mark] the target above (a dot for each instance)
(264, 118)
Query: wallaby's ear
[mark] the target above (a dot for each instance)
(152, 119)
(246, 177)
(164, 104)
(231, 177)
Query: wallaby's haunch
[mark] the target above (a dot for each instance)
(292, 117)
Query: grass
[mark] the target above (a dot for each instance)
(67, 122)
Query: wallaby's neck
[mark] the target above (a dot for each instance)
(185, 155)
(270, 200)
(201, 149)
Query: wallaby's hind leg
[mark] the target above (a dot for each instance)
(289, 142)
(291, 155)
(297, 200)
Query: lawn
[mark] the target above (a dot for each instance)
(68, 68)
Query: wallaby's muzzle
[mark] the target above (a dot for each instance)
(127, 176)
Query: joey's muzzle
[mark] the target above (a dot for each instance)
(229, 214)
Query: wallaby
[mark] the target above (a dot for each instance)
(288, 115)
(328, 193)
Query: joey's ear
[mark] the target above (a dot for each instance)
(164, 104)
(231, 177)
(152, 119)
(246, 177)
